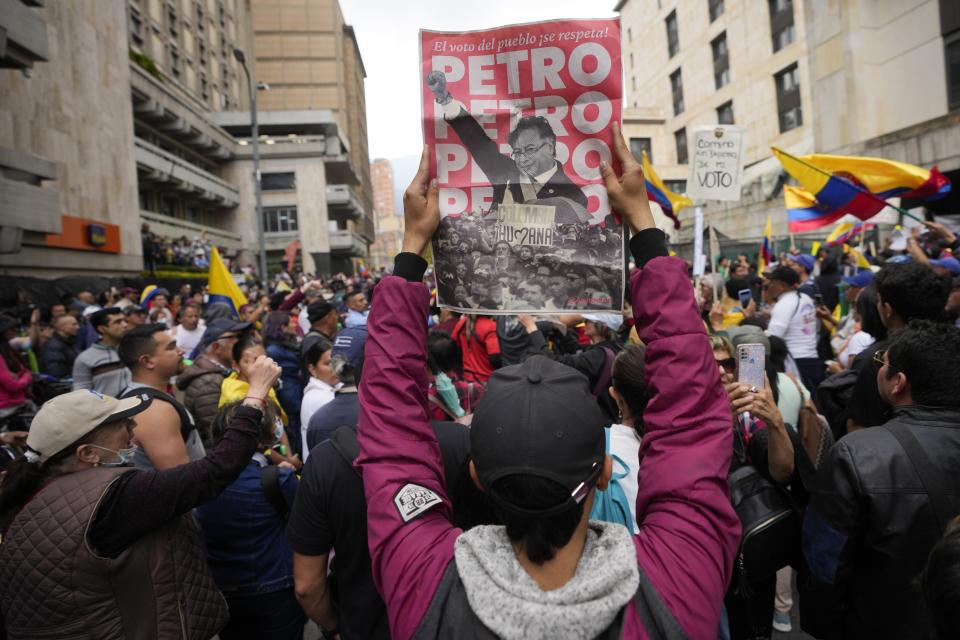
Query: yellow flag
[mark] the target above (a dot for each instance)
(221, 284)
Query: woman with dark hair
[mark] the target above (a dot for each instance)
(246, 350)
(450, 396)
(15, 375)
(280, 340)
(629, 392)
(321, 387)
(869, 328)
(244, 542)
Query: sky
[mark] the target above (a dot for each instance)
(388, 35)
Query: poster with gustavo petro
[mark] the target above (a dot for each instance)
(518, 119)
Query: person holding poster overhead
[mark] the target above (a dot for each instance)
(538, 452)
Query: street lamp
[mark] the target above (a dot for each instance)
(242, 59)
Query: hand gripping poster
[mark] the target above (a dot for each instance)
(518, 119)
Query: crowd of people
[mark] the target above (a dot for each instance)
(346, 452)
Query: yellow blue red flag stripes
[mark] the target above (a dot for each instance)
(854, 185)
(765, 257)
(147, 294)
(670, 202)
(884, 178)
(221, 286)
(847, 231)
(805, 213)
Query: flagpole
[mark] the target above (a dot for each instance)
(852, 184)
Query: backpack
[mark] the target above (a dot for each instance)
(611, 504)
(833, 397)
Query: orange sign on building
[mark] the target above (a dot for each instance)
(86, 235)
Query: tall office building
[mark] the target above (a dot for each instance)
(137, 112)
(389, 225)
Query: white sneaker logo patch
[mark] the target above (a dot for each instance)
(413, 500)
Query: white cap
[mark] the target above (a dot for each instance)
(66, 418)
(612, 320)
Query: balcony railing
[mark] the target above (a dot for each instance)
(166, 168)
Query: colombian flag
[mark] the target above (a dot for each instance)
(221, 285)
(845, 232)
(835, 185)
(670, 202)
(805, 213)
(147, 295)
(765, 257)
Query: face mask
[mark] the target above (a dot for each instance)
(124, 456)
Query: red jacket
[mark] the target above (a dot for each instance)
(688, 530)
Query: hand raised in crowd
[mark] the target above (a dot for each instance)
(941, 231)
(716, 316)
(627, 192)
(759, 403)
(528, 322)
(264, 373)
(421, 208)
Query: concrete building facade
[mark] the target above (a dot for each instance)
(137, 112)
(68, 182)
(389, 225)
(867, 77)
(311, 60)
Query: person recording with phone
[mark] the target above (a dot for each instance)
(736, 304)
(763, 439)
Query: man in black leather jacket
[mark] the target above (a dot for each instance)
(872, 521)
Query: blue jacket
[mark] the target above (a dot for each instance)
(291, 393)
(244, 535)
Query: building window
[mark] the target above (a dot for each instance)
(204, 88)
(721, 61)
(136, 27)
(788, 98)
(725, 113)
(633, 82)
(781, 22)
(629, 35)
(952, 50)
(279, 219)
(631, 61)
(200, 16)
(174, 62)
(223, 14)
(673, 35)
(680, 138)
(172, 21)
(676, 88)
(716, 9)
(223, 45)
(278, 181)
(677, 186)
(638, 146)
(201, 53)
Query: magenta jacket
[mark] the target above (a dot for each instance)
(688, 530)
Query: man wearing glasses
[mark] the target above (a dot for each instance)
(530, 173)
(200, 382)
(884, 495)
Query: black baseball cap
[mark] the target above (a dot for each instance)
(318, 310)
(783, 274)
(217, 328)
(538, 418)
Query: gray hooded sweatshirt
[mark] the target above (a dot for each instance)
(507, 600)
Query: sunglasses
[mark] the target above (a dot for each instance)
(729, 364)
(879, 356)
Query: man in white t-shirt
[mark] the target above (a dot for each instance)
(190, 330)
(794, 319)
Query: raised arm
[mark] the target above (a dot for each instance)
(688, 529)
(408, 513)
(142, 500)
